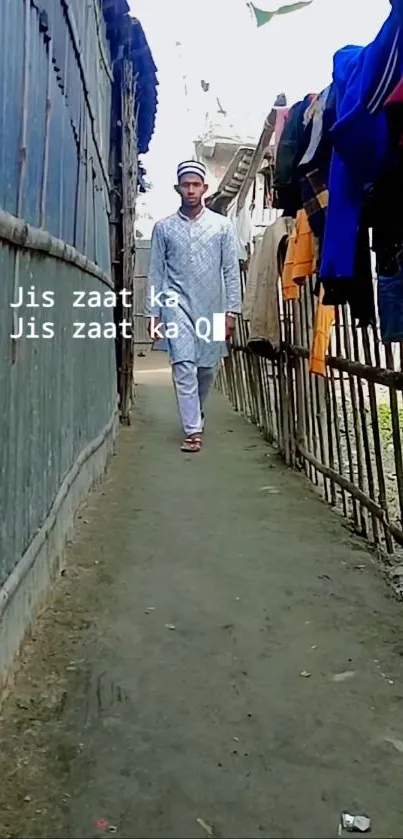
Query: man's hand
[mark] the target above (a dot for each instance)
(229, 326)
(154, 328)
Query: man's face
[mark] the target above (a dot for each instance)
(191, 189)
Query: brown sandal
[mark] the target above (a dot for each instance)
(192, 444)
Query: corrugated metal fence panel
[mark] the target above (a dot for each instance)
(53, 196)
(61, 392)
(141, 335)
(142, 257)
(36, 122)
(79, 239)
(71, 133)
(55, 400)
(102, 228)
(11, 74)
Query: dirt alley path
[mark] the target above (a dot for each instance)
(167, 682)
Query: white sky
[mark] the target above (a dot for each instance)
(246, 67)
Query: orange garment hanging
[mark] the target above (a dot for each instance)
(300, 260)
(324, 319)
(304, 256)
(300, 263)
(290, 290)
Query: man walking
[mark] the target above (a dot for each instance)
(193, 287)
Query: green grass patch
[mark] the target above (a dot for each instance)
(385, 422)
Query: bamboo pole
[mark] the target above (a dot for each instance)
(356, 420)
(360, 496)
(397, 443)
(377, 444)
(129, 190)
(365, 438)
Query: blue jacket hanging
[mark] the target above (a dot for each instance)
(363, 78)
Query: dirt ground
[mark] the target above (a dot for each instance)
(218, 648)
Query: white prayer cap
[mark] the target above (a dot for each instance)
(191, 167)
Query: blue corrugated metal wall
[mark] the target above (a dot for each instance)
(60, 393)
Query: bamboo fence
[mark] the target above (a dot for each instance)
(343, 430)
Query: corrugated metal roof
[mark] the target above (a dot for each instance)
(147, 83)
(127, 36)
(263, 147)
(234, 177)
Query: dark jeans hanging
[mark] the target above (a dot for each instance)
(390, 307)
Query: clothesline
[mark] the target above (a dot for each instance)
(339, 173)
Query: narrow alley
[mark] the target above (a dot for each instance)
(201, 416)
(219, 656)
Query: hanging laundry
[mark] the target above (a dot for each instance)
(262, 292)
(338, 171)
(300, 263)
(315, 113)
(363, 78)
(324, 320)
(390, 307)
(394, 112)
(300, 260)
(289, 288)
(281, 117)
(386, 218)
(314, 166)
(387, 243)
(251, 283)
(293, 143)
(242, 224)
(304, 252)
(308, 115)
(315, 197)
(358, 291)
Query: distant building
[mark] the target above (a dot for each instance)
(144, 220)
(218, 144)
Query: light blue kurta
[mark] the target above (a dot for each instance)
(194, 264)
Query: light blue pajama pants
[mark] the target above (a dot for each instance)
(192, 386)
